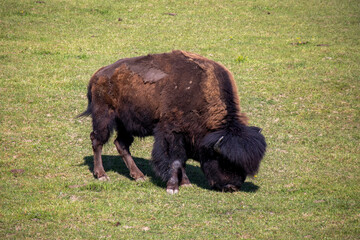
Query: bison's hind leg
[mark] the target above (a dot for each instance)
(103, 124)
(122, 143)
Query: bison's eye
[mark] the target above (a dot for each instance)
(256, 129)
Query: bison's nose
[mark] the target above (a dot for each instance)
(229, 188)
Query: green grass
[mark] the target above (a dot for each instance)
(297, 67)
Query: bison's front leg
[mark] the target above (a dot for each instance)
(178, 178)
(169, 157)
(185, 182)
(172, 185)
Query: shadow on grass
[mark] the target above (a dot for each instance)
(195, 174)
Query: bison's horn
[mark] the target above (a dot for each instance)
(217, 145)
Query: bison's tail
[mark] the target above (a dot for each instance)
(244, 147)
(88, 111)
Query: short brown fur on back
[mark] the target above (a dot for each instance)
(184, 76)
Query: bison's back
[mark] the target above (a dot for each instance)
(183, 91)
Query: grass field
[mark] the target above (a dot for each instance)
(297, 67)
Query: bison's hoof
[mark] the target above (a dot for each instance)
(140, 179)
(104, 178)
(172, 191)
(185, 182)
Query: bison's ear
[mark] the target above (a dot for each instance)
(147, 72)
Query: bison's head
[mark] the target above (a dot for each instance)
(223, 176)
(230, 155)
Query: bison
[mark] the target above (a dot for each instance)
(191, 107)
